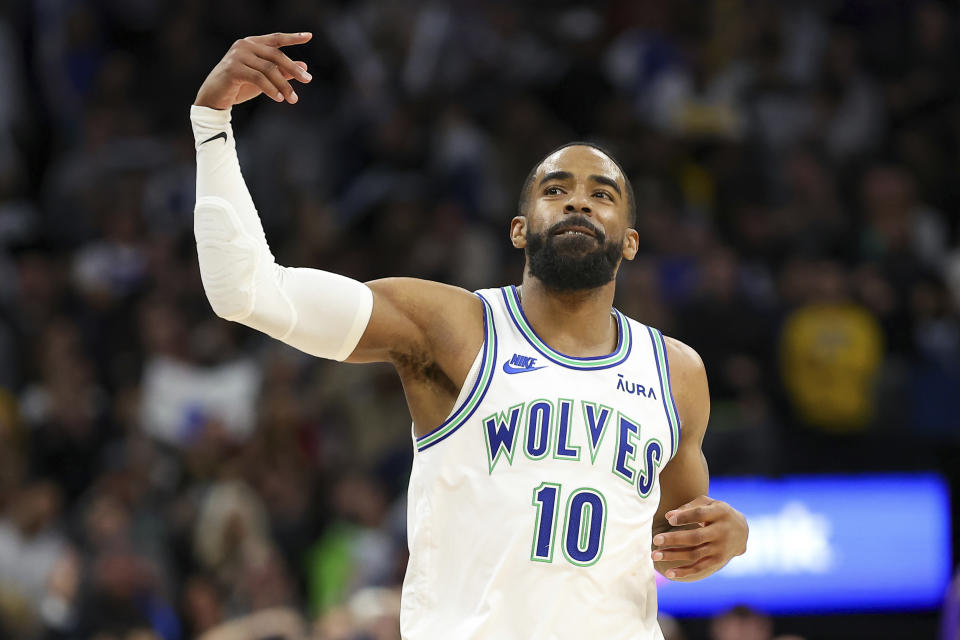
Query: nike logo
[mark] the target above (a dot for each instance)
(222, 134)
(521, 364)
(509, 369)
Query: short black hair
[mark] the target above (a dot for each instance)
(528, 183)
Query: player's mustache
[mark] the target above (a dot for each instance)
(576, 221)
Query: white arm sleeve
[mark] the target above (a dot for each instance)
(321, 313)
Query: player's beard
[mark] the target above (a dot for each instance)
(572, 263)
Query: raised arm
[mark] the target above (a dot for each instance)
(430, 331)
(694, 535)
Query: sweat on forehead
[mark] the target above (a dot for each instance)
(553, 161)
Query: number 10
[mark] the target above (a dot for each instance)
(585, 520)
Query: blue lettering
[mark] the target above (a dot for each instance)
(501, 435)
(596, 420)
(653, 455)
(635, 387)
(626, 452)
(538, 429)
(522, 362)
(564, 451)
(586, 521)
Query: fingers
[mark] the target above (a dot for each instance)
(712, 533)
(273, 73)
(267, 76)
(701, 565)
(679, 539)
(282, 39)
(691, 515)
(258, 61)
(255, 77)
(278, 69)
(288, 68)
(702, 509)
(303, 66)
(688, 554)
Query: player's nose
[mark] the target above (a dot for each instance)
(577, 203)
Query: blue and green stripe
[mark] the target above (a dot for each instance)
(666, 395)
(479, 390)
(624, 341)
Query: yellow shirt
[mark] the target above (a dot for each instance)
(830, 355)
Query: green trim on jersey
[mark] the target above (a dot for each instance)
(624, 342)
(463, 413)
(666, 394)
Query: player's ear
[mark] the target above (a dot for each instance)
(518, 232)
(631, 244)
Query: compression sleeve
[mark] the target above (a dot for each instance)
(321, 313)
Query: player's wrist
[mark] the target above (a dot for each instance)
(209, 124)
(209, 106)
(209, 116)
(209, 103)
(206, 97)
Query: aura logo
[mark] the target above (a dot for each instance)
(635, 387)
(521, 364)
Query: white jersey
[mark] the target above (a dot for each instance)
(531, 506)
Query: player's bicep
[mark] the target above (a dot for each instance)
(687, 475)
(418, 318)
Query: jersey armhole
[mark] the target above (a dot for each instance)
(480, 375)
(666, 393)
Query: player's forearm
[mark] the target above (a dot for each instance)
(231, 245)
(218, 168)
(317, 312)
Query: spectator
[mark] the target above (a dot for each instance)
(830, 353)
(37, 564)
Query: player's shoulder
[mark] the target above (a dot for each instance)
(491, 294)
(683, 358)
(688, 383)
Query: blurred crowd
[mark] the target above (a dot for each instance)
(167, 475)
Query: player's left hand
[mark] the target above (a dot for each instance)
(715, 532)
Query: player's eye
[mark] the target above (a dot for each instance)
(552, 191)
(603, 194)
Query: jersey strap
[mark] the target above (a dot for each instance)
(624, 342)
(480, 385)
(666, 395)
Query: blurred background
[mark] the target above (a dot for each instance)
(166, 475)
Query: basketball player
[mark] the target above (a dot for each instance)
(558, 443)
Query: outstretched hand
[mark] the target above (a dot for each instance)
(252, 66)
(715, 532)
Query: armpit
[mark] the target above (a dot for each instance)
(419, 366)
